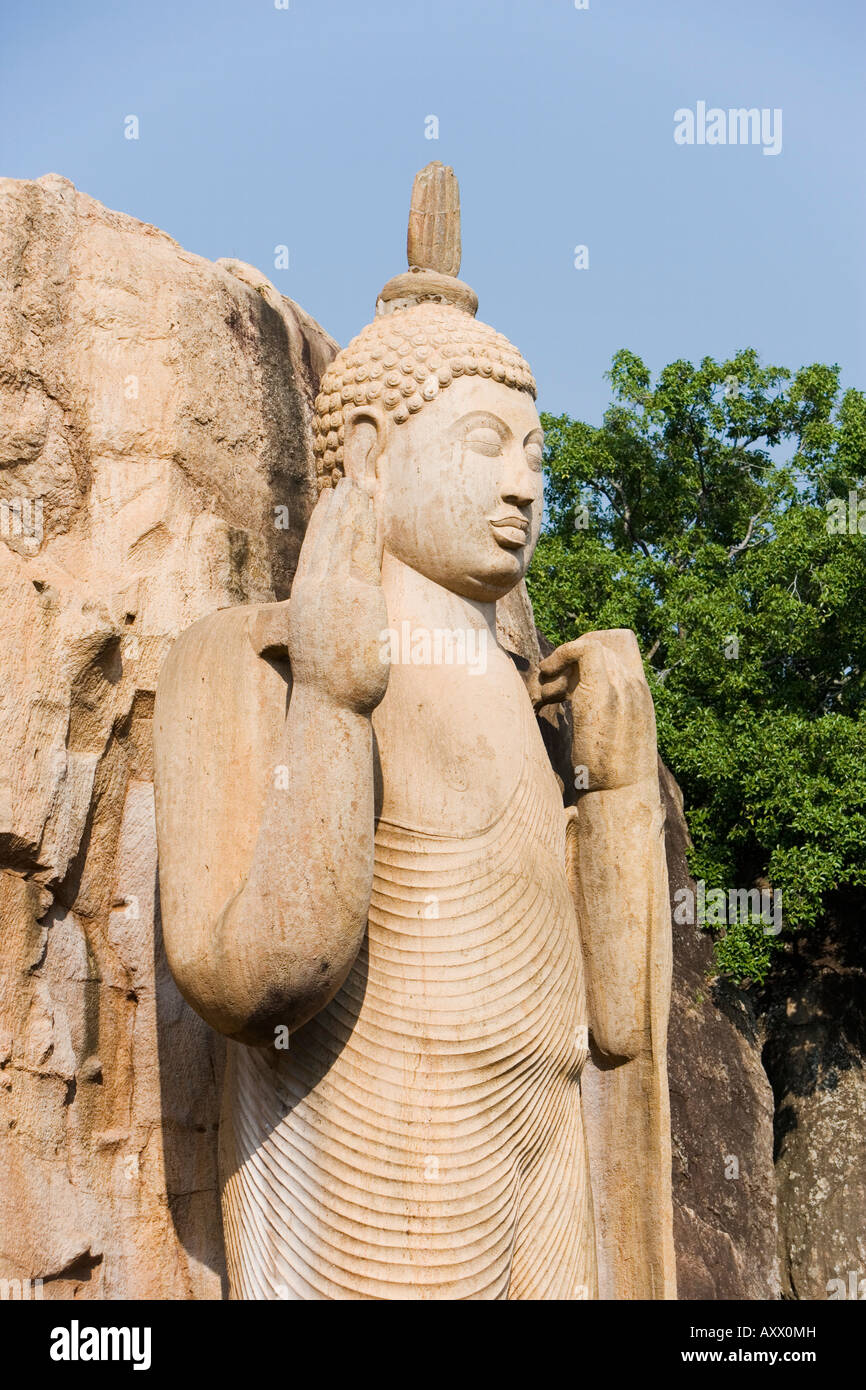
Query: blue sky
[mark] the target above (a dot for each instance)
(305, 126)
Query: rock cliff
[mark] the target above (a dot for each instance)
(154, 466)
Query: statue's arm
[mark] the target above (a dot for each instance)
(285, 942)
(618, 878)
(277, 949)
(616, 851)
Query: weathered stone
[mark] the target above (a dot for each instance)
(384, 867)
(154, 418)
(815, 1022)
(725, 1227)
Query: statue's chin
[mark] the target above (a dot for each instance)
(492, 583)
(484, 580)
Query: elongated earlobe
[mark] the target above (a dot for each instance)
(362, 445)
(363, 442)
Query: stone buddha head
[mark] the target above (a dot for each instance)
(433, 413)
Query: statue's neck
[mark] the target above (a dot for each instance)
(412, 597)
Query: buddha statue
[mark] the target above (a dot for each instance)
(443, 970)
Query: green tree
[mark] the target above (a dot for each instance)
(706, 513)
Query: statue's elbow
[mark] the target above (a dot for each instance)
(281, 1007)
(270, 1022)
(259, 987)
(260, 1006)
(617, 1041)
(263, 1012)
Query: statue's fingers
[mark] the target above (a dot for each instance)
(555, 690)
(590, 654)
(598, 666)
(311, 548)
(350, 530)
(547, 690)
(594, 662)
(585, 659)
(365, 563)
(332, 556)
(560, 660)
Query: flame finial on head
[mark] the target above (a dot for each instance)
(433, 247)
(433, 239)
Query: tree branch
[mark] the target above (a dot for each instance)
(735, 549)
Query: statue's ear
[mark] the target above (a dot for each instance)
(363, 438)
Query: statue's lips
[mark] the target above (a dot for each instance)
(511, 531)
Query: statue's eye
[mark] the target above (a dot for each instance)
(534, 456)
(484, 441)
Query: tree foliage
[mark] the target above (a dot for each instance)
(704, 513)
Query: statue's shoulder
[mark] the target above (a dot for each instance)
(224, 637)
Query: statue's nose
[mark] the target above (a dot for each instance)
(520, 487)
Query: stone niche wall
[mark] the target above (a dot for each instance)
(155, 465)
(154, 411)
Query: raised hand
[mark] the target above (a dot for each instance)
(602, 676)
(337, 611)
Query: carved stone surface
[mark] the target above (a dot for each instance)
(154, 410)
(433, 239)
(371, 885)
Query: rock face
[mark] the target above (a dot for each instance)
(725, 1226)
(815, 1021)
(154, 466)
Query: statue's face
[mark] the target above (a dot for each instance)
(460, 488)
